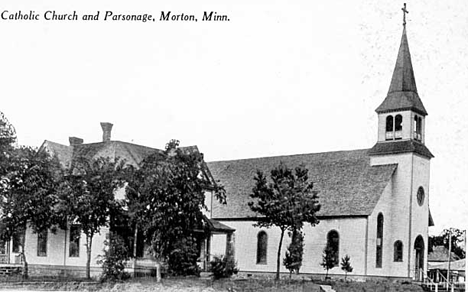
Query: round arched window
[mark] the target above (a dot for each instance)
(420, 196)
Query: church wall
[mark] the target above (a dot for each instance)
(352, 242)
(420, 213)
(394, 205)
(397, 205)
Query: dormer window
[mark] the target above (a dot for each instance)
(417, 128)
(393, 127)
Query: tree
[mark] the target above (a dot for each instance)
(7, 140)
(114, 259)
(87, 196)
(457, 237)
(286, 202)
(346, 265)
(166, 196)
(328, 259)
(293, 258)
(28, 197)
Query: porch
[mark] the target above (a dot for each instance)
(216, 239)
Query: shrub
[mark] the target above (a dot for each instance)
(293, 258)
(223, 267)
(114, 259)
(182, 260)
(346, 265)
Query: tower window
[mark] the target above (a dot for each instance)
(333, 242)
(398, 251)
(379, 243)
(262, 245)
(417, 128)
(398, 126)
(389, 128)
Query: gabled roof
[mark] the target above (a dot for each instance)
(63, 153)
(403, 94)
(347, 184)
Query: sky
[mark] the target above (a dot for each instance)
(278, 78)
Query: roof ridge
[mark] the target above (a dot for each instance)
(289, 155)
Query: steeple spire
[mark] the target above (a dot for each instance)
(403, 93)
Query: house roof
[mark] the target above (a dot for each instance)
(440, 254)
(403, 94)
(132, 153)
(458, 265)
(347, 184)
(63, 153)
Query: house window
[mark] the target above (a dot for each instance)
(2, 247)
(42, 244)
(389, 128)
(333, 242)
(379, 243)
(17, 240)
(262, 245)
(75, 234)
(398, 251)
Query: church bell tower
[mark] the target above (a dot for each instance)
(401, 116)
(401, 141)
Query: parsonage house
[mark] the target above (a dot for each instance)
(374, 202)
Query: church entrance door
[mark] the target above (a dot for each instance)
(419, 258)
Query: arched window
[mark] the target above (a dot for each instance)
(398, 251)
(398, 126)
(420, 196)
(333, 241)
(417, 128)
(379, 243)
(389, 128)
(262, 245)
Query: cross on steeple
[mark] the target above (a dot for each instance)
(404, 13)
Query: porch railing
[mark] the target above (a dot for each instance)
(4, 259)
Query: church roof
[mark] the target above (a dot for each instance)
(403, 146)
(347, 184)
(403, 94)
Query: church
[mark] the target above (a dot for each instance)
(374, 202)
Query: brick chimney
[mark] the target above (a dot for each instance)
(75, 141)
(106, 131)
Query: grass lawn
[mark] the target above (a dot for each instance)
(199, 285)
